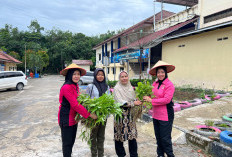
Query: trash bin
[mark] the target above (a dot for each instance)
(36, 75)
(31, 74)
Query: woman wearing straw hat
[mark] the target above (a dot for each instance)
(69, 106)
(163, 113)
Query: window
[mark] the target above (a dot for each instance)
(112, 69)
(1, 75)
(13, 74)
(108, 70)
(121, 69)
(9, 74)
(181, 46)
(89, 74)
(224, 38)
(18, 74)
(218, 15)
(99, 57)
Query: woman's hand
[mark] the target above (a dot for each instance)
(147, 98)
(137, 102)
(93, 116)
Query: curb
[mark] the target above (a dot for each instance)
(209, 146)
(199, 141)
(220, 150)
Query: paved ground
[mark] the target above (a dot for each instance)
(28, 124)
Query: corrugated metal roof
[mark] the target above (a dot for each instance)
(188, 3)
(8, 58)
(202, 30)
(154, 36)
(149, 20)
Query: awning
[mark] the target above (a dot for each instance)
(188, 3)
(151, 38)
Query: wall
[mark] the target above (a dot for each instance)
(11, 67)
(86, 67)
(208, 7)
(203, 62)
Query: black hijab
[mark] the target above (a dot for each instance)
(166, 74)
(101, 86)
(68, 77)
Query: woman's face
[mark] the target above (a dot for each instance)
(76, 76)
(161, 74)
(124, 78)
(100, 76)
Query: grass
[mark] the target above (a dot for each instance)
(187, 92)
(223, 125)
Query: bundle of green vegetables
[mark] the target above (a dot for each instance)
(144, 89)
(102, 107)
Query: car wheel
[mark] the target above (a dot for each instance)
(80, 83)
(19, 86)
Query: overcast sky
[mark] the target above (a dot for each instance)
(90, 17)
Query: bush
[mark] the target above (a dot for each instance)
(134, 82)
(112, 83)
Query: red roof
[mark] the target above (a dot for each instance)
(149, 20)
(7, 58)
(82, 62)
(156, 35)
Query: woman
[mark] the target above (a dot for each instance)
(69, 106)
(95, 90)
(163, 113)
(125, 127)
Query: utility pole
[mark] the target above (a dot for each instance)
(140, 56)
(149, 61)
(25, 61)
(140, 60)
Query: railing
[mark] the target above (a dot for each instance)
(177, 18)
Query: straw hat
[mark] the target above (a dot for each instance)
(73, 66)
(160, 63)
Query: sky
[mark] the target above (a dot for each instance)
(90, 17)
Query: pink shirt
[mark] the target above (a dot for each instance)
(69, 92)
(163, 96)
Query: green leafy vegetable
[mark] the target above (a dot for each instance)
(102, 107)
(144, 89)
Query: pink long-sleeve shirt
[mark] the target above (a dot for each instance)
(163, 96)
(69, 105)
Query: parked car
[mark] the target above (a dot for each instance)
(12, 79)
(86, 79)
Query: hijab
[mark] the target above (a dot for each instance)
(68, 77)
(101, 86)
(123, 93)
(166, 74)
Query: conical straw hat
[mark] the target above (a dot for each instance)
(160, 63)
(73, 66)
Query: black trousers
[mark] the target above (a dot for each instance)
(163, 130)
(68, 135)
(120, 150)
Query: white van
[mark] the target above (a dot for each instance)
(12, 79)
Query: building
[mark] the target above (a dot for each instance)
(122, 51)
(203, 57)
(109, 53)
(197, 41)
(85, 64)
(7, 62)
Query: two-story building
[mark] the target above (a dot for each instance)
(203, 57)
(122, 51)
